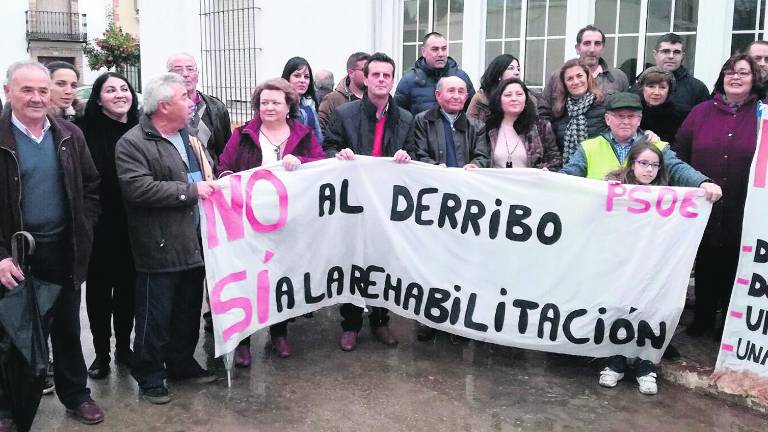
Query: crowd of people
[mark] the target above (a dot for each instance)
(109, 191)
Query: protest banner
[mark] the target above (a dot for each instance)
(518, 257)
(742, 363)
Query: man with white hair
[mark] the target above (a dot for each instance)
(162, 175)
(210, 123)
(49, 181)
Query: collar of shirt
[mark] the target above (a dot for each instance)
(16, 122)
(448, 116)
(629, 143)
(383, 112)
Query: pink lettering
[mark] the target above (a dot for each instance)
(761, 159)
(282, 195)
(688, 205)
(262, 291)
(645, 205)
(665, 212)
(615, 190)
(231, 214)
(220, 306)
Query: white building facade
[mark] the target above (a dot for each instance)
(241, 42)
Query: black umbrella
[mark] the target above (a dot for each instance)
(23, 346)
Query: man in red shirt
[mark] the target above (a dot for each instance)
(373, 126)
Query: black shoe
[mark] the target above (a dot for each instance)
(48, 386)
(124, 356)
(425, 333)
(156, 395)
(197, 376)
(671, 353)
(99, 368)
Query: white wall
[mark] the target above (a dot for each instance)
(167, 27)
(13, 30)
(322, 32)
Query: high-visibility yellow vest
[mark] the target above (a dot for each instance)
(601, 159)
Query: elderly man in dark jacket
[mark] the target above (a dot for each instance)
(161, 175)
(48, 187)
(210, 122)
(372, 126)
(445, 136)
(416, 89)
(688, 91)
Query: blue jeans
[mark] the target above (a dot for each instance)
(619, 363)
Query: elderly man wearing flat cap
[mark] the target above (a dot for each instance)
(598, 156)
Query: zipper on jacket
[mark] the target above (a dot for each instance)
(71, 215)
(18, 173)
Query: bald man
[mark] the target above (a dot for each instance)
(445, 135)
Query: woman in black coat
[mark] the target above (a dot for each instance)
(112, 110)
(655, 87)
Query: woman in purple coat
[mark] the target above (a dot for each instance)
(274, 134)
(719, 138)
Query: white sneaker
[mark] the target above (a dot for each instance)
(609, 377)
(647, 384)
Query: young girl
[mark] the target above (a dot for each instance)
(299, 74)
(645, 166)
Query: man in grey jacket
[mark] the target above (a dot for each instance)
(162, 178)
(444, 135)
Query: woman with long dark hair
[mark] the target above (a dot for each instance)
(298, 73)
(504, 66)
(518, 137)
(111, 110)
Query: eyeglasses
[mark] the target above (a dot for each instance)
(647, 164)
(667, 51)
(734, 74)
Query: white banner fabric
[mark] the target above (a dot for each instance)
(519, 257)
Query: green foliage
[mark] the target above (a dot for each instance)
(116, 49)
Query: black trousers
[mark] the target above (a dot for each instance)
(353, 317)
(715, 275)
(167, 325)
(110, 300)
(52, 263)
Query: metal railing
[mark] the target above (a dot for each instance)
(230, 52)
(56, 26)
(133, 73)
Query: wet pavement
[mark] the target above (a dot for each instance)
(433, 386)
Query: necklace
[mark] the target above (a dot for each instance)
(506, 144)
(277, 147)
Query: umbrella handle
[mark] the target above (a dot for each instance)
(22, 245)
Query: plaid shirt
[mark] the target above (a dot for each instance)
(623, 150)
